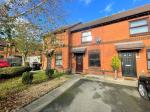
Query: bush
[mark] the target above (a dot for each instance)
(57, 74)
(27, 78)
(10, 72)
(115, 64)
(50, 72)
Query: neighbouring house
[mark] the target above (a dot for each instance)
(10, 53)
(89, 47)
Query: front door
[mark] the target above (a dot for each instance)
(128, 60)
(79, 62)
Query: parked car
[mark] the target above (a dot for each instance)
(144, 87)
(36, 66)
(4, 63)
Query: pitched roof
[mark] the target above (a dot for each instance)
(67, 27)
(114, 18)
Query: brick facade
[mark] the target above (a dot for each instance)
(109, 35)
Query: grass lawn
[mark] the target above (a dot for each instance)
(13, 85)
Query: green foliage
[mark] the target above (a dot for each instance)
(13, 85)
(27, 64)
(115, 64)
(10, 72)
(54, 73)
(27, 78)
(49, 73)
(57, 74)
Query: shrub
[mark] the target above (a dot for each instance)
(10, 72)
(115, 63)
(27, 78)
(50, 72)
(57, 74)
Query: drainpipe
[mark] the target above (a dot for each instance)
(69, 50)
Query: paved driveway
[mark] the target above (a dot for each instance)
(92, 96)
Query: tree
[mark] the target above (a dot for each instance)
(50, 39)
(115, 64)
(45, 14)
(26, 40)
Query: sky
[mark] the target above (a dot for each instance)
(88, 10)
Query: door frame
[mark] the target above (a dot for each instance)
(135, 67)
(78, 71)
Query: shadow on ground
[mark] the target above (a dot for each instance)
(92, 96)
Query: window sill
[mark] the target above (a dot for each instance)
(87, 42)
(59, 66)
(139, 34)
(94, 67)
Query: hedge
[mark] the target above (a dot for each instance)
(10, 72)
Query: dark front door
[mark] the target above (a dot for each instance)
(128, 61)
(79, 62)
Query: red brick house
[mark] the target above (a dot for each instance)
(89, 47)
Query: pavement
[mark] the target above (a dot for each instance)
(132, 82)
(91, 94)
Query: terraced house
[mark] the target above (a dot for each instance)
(89, 47)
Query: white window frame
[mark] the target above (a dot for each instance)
(86, 37)
(58, 59)
(139, 26)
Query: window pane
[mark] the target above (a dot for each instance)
(59, 62)
(83, 39)
(86, 37)
(85, 34)
(138, 23)
(94, 59)
(148, 65)
(148, 54)
(58, 57)
(142, 29)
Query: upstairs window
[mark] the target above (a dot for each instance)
(58, 60)
(94, 59)
(139, 26)
(86, 37)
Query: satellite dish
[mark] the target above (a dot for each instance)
(98, 40)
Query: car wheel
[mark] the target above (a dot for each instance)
(143, 91)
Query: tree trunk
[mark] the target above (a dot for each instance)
(116, 73)
(48, 63)
(23, 59)
(48, 68)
